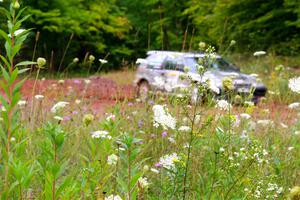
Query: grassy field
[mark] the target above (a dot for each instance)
(90, 138)
(165, 148)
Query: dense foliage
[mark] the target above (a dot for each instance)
(125, 29)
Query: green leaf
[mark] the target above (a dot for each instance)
(25, 63)
(13, 76)
(21, 71)
(5, 61)
(4, 35)
(5, 74)
(18, 86)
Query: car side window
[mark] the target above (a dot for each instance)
(155, 61)
(173, 64)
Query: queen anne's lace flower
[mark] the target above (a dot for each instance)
(259, 53)
(265, 122)
(59, 118)
(112, 159)
(163, 118)
(168, 161)
(39, 96)
(294, 105)
(214, 88)
(223, 105)
(143, 182)
(22, 103)
(294, 84)
(100, 134)
(184, 128)
(113, 197)
(245, 116)
(58, 106)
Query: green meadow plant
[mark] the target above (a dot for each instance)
(53, 164)
(13, 176)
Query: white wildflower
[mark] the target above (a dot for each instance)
(223, 105)
(39, 96)
(110, 117)
(214, 88)
(197, 119)
(265, 122)
(113, 197)
(112, 159)
(59, 118)
(22, 103)
(290, 148)
(58, 106)
(12, 139)
(221, 149)
(259, 53)
(297, 133)
(146, 168)
(103, 61)
(143, 182)
(77, 101)
(184, 128)
(171, 140)
(168, 161)
(163, 118)
(87, 81)
(249, 103)
(245, 116)
(61, 81)
(254, 75)
(294, 84)
(265, 152)
(100, 134)
(283, 125)
(3, 109)
(271, 92)
(154, 170)
(294, 105)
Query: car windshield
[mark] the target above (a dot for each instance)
(219, 64)
(223, 65)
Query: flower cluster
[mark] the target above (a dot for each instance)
(163, 118)
(112, 159)
(58, 106)
(168, 161)
(294, 84)
(223, 105)
(100, 134)
(113, 197)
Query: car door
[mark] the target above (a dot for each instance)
(155, 72)
(172, 68)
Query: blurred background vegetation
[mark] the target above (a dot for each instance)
(122, 30)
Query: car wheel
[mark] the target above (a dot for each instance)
(143, 90)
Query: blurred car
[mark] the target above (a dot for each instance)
(161, 70)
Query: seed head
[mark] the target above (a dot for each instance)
(227, 84)
(41, 62)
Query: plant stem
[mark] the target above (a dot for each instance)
(54, 182)
(129, 176)
(65, 52)
(34, 50)
(33, 93)
(9, 112)
(214, 176)
(190, 147)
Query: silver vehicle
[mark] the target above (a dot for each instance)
(161, 70)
